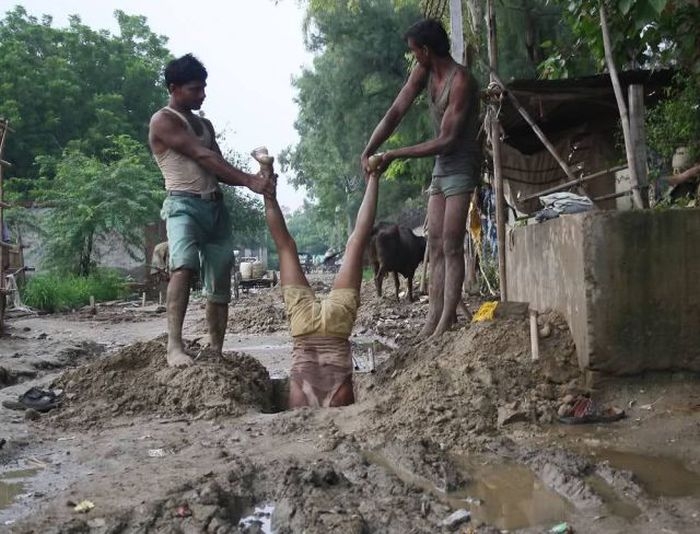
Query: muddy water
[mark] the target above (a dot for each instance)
(510, 496)
(507, 496)
(12, 484)
(659, 476)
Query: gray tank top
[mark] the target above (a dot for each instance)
(466, 155)
(182, 173)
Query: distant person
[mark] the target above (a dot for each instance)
(321, 373)
(197, 222)
(453, 101)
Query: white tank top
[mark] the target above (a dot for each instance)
(182, 173)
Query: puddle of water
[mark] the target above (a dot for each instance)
(12, 484)
(507, 496)
(262, 516)
(510, 496)
(659, 476)
(615, 503)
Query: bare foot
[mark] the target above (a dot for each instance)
(442, 327)
(176, 357)
(427, 330)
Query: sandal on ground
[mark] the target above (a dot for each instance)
(41, 400)
(586, 411)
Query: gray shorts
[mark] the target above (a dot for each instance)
(454, 184)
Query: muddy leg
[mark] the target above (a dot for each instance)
(453, 248)
(436, 287)
(217, 319)
(345, 395)
(396, 285)
(177, 299)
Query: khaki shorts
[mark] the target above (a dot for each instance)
(332, 316)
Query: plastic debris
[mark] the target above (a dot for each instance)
(485, 312)
(83, 507)
(456, 518)
(156, 453)
(183, 511)
(561, 528)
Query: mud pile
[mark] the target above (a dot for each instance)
(388, 317)
(137, 380)
(473, 381)
(257, 313)
(316, 497)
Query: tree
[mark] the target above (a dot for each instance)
(90, 198)
(359, 67)
(648, 33)
(75, 85)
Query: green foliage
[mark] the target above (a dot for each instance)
(60, 291)
(675, 122)
(358, 70)
(75, 85)
(647, 33)
(89, 198)
(312, 233)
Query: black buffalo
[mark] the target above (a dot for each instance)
(394, 248)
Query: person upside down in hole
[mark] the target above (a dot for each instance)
(321, 374)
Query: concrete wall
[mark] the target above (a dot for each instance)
(627, 282)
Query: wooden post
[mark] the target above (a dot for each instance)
(624, 118)
(496, 147)
(635, 97)
(3, 251)
(534, 336)
(456, 31)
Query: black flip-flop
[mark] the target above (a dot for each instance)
(41, 400)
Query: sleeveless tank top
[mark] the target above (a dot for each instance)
(467, 152)
(182, 173)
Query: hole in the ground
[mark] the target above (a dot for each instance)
(279, 400)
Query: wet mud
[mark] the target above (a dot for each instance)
(454, 435)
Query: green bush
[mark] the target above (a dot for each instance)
(58, 292)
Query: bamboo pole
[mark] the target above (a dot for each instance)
(457, 31)
(624, 117)
(635, 97)
(496, 147)
(3, 251)
(535, 128)
(577, 181)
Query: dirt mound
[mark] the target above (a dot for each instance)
(258, 313)
(137, 380)
(473, 381)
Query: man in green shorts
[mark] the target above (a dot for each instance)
(198, 226)
(453, 99)
(321, 373)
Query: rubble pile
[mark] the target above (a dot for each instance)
(137, 380)
(473, 381)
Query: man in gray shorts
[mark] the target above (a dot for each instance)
(453, 98)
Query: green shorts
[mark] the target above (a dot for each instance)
(199, 239)
(454, 184)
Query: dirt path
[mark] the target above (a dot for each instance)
(466, 423)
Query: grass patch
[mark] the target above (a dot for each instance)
(59, 292)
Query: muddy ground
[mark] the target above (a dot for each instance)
(466, 424)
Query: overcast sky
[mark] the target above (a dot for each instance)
(251, 48)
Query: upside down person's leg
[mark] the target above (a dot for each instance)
(350, 274)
